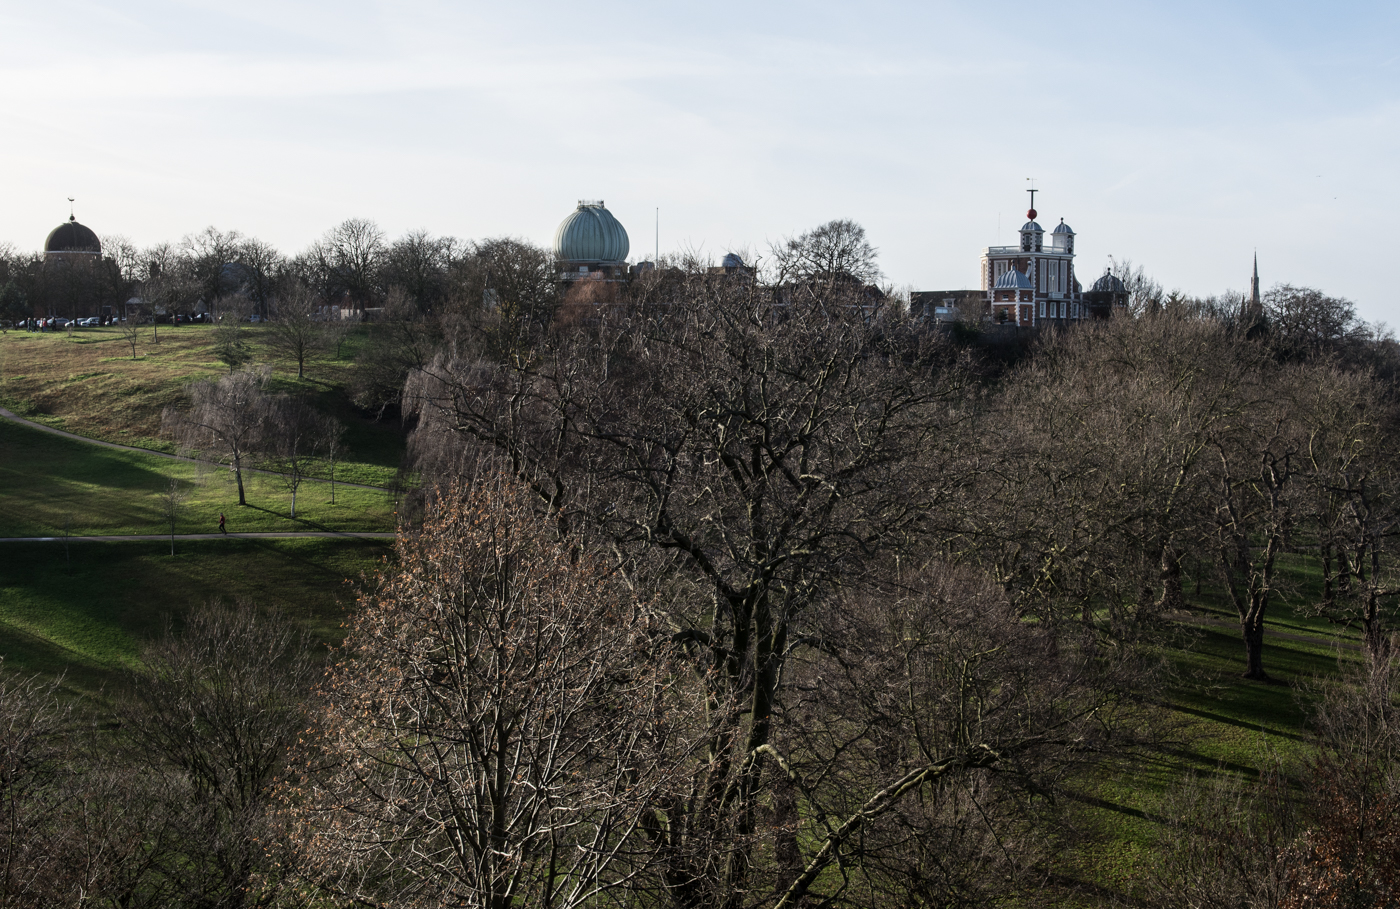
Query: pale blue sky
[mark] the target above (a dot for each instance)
(1181, 135)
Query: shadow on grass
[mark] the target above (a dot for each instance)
(1226, 720)
(1117, 807)
(1203, 764)
(305, 524)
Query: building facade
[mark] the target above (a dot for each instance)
(1034, 282)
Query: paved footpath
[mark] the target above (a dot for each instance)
(135, 537)
(8, 415)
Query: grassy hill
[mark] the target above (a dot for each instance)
(83, 609)
(88, 382)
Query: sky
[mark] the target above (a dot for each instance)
(1181, 136)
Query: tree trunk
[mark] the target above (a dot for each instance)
(1172, 599)
(1328, 597)
(238, 475)
(1253, 631)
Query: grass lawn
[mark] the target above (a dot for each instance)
(85, 613)
(1213, 722)
(88, 383)
(52, 485)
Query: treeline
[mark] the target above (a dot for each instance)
(745, 590)
(353, 265)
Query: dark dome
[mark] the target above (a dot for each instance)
(1109, 283)
(72, 237)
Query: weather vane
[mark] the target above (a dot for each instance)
(71, 216)
(1032, 191)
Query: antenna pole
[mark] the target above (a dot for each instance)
(657, 259)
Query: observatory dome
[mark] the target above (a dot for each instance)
(1109, 283)
(72, 237)
(591, 234)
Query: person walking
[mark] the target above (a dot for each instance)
(222, 529)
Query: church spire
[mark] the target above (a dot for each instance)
(1254, 306)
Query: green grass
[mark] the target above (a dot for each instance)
(1213, 721)
(54, 485)
(84, 611)
(89, 384)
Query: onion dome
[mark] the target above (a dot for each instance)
(1109, 283)
(1013, 279)
(591, 234)
(1064, 228)
(72, 237)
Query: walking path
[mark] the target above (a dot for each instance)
(5, 414)
(270, 535)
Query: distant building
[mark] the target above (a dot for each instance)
(1030, 284)
(733, 266)
(1254, 306)
(75, 281)
(947, 305)
(1107, 296)
(71, 242)
(1034, 282)
(591, 244)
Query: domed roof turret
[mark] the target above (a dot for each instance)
(591, 234)
(1064, 228)
(1109, 283)
(71, 236)
(1032, 226)
(1013, 279)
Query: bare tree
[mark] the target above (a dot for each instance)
(130, 330)
(1353, 499)
(494, 731)
(293, 441)
(172, 505)
(1256, 475)
(332, 433)
(226, 418)
(826, 256)
(262, 267)
(215, 711)
(748, 456)
(125, 254)
(31, 723)
(346, 262)
(403, 341)
(298, 331)
(230, 344)
(417, 264)
(209, 255)
(1305, 323)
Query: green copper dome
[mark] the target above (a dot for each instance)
(591, 234)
